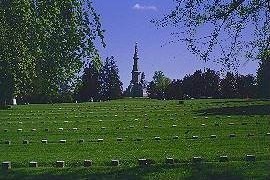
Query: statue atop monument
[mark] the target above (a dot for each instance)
(135, 89)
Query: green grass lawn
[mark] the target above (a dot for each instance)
(138, 122)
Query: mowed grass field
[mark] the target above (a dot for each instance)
(150, 129)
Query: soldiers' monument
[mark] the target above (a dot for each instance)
(135, 89)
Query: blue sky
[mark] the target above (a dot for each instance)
(128, 21)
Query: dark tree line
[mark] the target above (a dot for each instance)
(204, 85)
(100, 83)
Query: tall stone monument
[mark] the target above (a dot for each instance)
(135, 89)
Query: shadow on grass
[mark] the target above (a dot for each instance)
(238, 110)
(183, 171)
(225, 101)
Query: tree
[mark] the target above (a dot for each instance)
(245, 86)
(263, 78)
(44, 45)
(157, 88)
(143, 81)
(90, 85)
(110, 84)
(228, 86)
(211, 83)
(175, 90)
(232, 27)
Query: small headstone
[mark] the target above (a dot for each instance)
(250, 158)
(100, 140)
(232, 135)
(231, 124)
(33, 164)
(213, 136)
(157, 138)
(175, 137)
(197, 159)
(44, 141)
(74, 129)
(5, 130)
(268, 134)
(223, 159)
(131, 127)
(206, 117)
(119, 139)
(14, 102)
(143, 162)
(202, 124)
(87, 163)
(62, 141)
(33, 129)
(169, 161)
(6, 165)
(60, 129)
(25, 142)
(174, 125)
(19, 130)
(60, 164)
(115, 162)
(195, 137)
(145, 127)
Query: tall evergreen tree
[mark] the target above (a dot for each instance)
(89, 88)
(110, 84)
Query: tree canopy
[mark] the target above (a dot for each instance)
(230, 27)
(44, 44)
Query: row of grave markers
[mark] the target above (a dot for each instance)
(45, 141)
(141, 162)
(103, 128)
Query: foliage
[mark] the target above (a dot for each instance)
(100, 82)
(143, 81)
(246, 86)
(110, 84)
(43, 44)
(207, 84)
(90, 86)
(228, 86)
(225, 28)
(263, 77)
(175, 90)
(157, 88)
